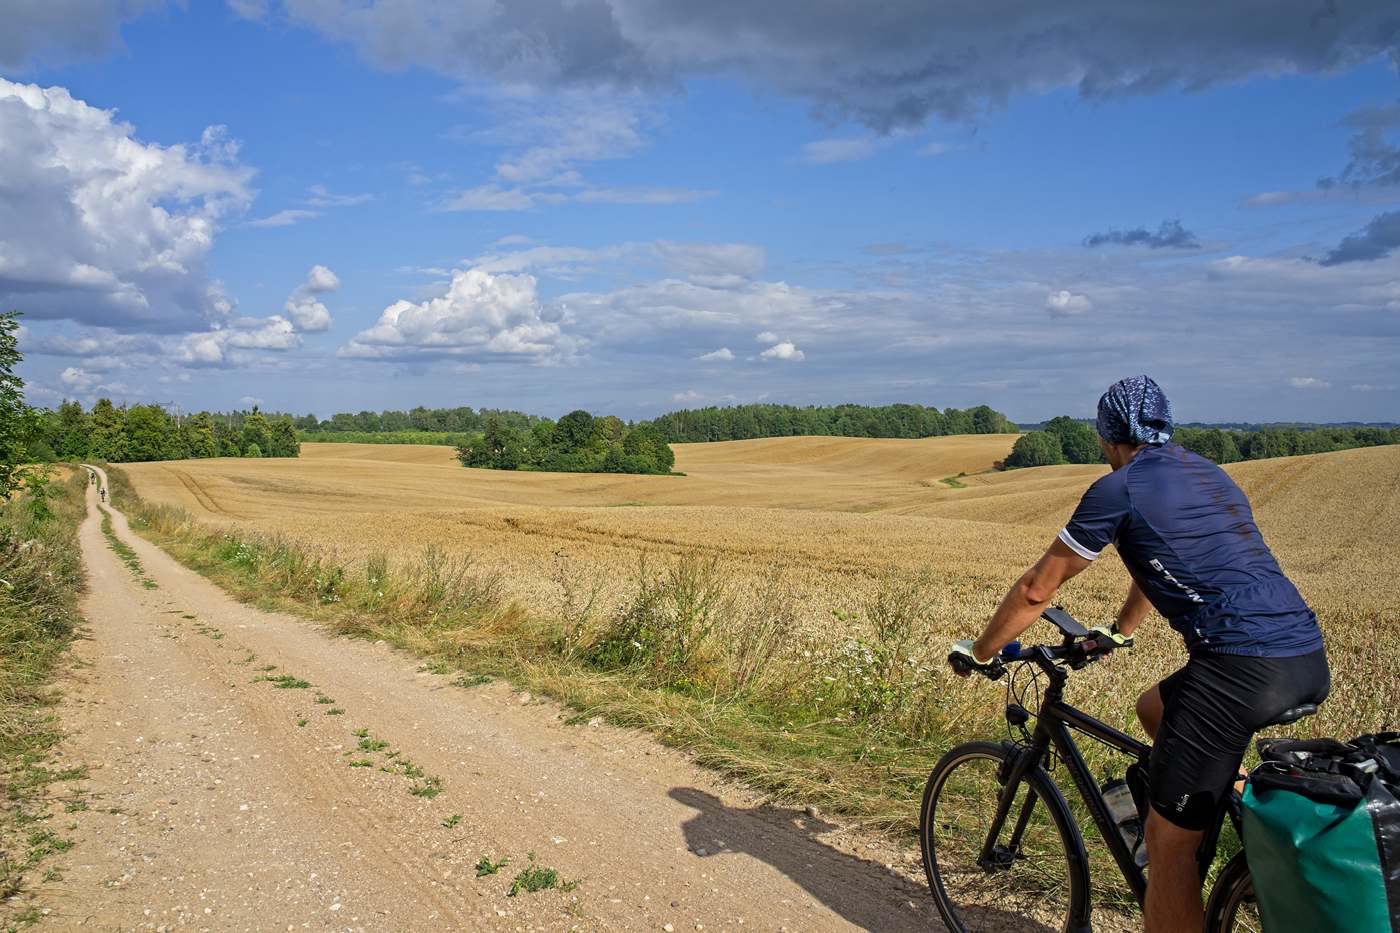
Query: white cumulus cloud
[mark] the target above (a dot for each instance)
(221, 346)
(304, 308)
(481, 315)
(689, 395)
(784, 350)
(79, 380)
(101, 228)
(1308, 382)
(1065, 303)
(723, 353)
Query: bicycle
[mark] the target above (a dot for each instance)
(983, 880)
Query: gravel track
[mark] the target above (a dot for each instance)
(218, 800)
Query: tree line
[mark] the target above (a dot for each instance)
(742, 422)
(1068, 440)
(149, 432)
(461, 420)
(739, 422)
(577, 443)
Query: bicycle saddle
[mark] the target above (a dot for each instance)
(1293, 715)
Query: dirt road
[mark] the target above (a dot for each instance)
(248, 771)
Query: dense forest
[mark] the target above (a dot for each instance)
(149, 432)
(461, 420)
(742, 422)
(436, 438)
(738, 422)
(577, 443)
(1067, 440)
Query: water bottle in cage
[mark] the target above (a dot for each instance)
(1125, 815)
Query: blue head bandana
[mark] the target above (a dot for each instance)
(1134, 411)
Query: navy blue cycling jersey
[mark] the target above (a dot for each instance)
(1187, 535)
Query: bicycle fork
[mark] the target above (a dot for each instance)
(1020, 766)
(1013, 770)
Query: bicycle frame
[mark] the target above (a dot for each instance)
(1055, 724)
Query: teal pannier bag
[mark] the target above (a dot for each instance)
(1322, 835)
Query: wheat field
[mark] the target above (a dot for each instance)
(831, 521)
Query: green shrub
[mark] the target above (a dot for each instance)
(1078, 442)
(578, 443)
(1038, 448)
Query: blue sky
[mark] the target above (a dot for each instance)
(633, 207)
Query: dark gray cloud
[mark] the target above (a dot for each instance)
(894, 64)
(1170, 235)
(1375, 160)
(56, 31)
(1376, 240)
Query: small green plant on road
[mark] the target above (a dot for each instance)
(283, 681)
(486, 866)
(534, 878)
(124, 553)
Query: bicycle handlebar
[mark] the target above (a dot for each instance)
(1073, 651)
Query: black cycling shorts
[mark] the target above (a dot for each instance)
(1210, 710)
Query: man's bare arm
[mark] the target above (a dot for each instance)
(1028, 598)
(1135, 609)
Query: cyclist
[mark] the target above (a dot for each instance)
(1187, 536)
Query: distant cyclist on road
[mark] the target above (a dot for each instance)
(1186, 533)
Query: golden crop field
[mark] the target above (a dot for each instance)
(831, 522)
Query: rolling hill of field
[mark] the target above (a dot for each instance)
(827, 520)
(842, 474)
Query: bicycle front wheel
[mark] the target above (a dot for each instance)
(1232, 908)
(1027, 878)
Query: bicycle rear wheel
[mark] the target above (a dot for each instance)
(1031, 879)
(1232, 908)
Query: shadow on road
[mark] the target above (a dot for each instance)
(864, 893)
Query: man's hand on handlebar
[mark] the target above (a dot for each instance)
(1081, 646)
(964, 662)
(1110, 634)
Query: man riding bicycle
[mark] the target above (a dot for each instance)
(1187, 536)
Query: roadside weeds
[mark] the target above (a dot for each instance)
(41, 576)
